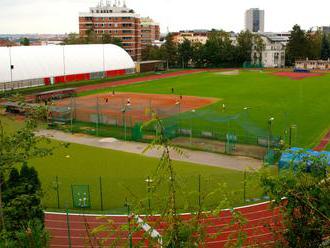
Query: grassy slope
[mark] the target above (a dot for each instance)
(305, 103)
(120, 171)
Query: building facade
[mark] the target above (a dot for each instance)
(312, 64)
(255, 20)
(273, 52)
(194, 36)
(150, 32)
(29, 66)
(116, 21)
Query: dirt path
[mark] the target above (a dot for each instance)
(323, 143)
(196, 157)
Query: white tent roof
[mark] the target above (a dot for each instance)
(33, 62)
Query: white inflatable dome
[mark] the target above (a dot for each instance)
(38, 62)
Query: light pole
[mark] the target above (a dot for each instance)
(11, 68)
(124, 110)
(149, 181)
(191, 126)
(290, 135)
(270, 121)
(130, 239)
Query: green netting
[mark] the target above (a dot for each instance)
(250, 65)
(81, 196)
(137, 132)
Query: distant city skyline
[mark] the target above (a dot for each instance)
(61, 16)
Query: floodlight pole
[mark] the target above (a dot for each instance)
(191, 126)
(57, 193)
(11, 68)
(270, 121)
(290, 135)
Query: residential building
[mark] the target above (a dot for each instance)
(194, 36)
(255, 20)
(273, 53)
(325, 29)
(150, 32)
(313, 64)
(5, 43)
(117, 21)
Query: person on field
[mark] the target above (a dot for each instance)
(106, 100)
(128, 101)
(223, 107)
(172, 90)
(113, 92)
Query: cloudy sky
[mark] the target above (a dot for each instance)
(61, 16)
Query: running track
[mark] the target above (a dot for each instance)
(323, 143)
(259, 217)
(137, 80)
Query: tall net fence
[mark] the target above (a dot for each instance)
(123, 118)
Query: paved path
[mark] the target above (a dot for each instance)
(196, 157)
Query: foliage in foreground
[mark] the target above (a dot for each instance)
(178, 231)
(21, 213)
(305, 209)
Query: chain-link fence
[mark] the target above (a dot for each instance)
(110, 193)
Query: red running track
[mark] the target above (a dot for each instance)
(323, 143)
(260, 226)
(136, 80)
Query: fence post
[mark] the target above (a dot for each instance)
(71, 114)
(199, 191)
(98, 116)
(244, 189)
(101, 194)
(57, 193)
(68, 226)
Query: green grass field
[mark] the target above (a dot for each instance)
(123, 175)
(305, 103)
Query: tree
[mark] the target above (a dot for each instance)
(151, 53)
(219, 50)
(18, 148)
(108, 39)
(170, 51)
(306, 212)
(314, 39)
(297, 47)
(198, 54)
(185, 51)
(22, 199)
(325, 48)
(244, 47)
(25, 42)
(74, 38)
(259, 46)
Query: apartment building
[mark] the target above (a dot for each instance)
(117, 20)
(150, 31)
(255, 20)
(194, 36)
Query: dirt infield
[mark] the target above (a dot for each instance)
(113, 108)
(297, 75)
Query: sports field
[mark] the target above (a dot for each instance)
(123, 175)
(304, 103)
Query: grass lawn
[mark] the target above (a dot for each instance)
(123, 175)
(305, 103)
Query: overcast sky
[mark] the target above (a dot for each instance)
(61, 16)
